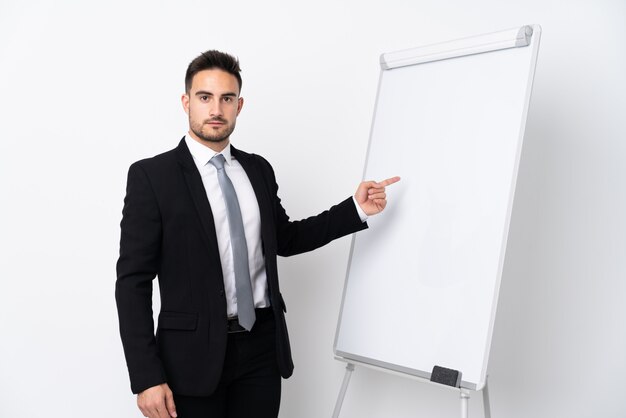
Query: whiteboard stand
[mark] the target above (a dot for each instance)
(342, 391)
(486, 403)
(463, 392)
(465, 395)
(465, 403)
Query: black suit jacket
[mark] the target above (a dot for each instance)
(167, 230)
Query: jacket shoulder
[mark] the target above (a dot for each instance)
(256, 158)
(156, 162)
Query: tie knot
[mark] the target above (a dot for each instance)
(218, 161)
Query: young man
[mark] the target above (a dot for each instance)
(206, 219)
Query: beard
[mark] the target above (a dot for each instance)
(212, 135)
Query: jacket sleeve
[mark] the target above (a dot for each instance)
(136, 268)
(296, 237)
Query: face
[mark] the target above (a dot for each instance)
(212, 105)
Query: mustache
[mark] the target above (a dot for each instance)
(215, 119)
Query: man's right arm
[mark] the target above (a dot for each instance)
(136, 268)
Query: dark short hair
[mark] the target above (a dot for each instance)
(209, 60)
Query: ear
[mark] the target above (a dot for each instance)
(239, 105)
(184, 99)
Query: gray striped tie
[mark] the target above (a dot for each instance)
(245, 302)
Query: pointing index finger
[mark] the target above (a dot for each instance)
(389, 181)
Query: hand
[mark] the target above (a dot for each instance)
(371, 196)
(157, 402)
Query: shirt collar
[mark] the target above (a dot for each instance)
(202, 154)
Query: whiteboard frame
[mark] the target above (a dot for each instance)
(524, 36)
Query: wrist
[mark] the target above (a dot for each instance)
(359, 210)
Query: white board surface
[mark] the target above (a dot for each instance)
(423, 281)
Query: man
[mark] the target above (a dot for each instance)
(205, 217)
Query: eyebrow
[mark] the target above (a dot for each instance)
(208, 93)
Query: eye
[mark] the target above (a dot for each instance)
(204, 98)
(228, 99)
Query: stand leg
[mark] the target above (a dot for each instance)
(464, 403)
(486, 404)
(344, 387)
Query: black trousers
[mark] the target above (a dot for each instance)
(250, 384)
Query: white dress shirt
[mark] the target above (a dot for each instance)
(251, 217)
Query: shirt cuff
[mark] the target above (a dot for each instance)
(362, 214)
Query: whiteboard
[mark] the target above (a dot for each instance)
(422, 283)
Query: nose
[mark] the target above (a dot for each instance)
(216, 108)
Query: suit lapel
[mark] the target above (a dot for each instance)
(258, 185)
(198, 195)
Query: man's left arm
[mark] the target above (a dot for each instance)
(296, 237)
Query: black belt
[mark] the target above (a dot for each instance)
(262, 315)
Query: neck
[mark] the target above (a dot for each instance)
(215, 146)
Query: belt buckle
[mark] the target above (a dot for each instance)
(234, 327)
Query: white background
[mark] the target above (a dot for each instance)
(87, 88)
